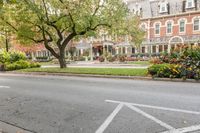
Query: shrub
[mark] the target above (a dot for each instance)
(4, 56)
(15, 60)
(122, 58)
(11, 56)
(34, 65)
(42, 58)
(111, 58)
(16, 56)
(21, 64)
(173, 71)
(154, 69)
(101, 59)
(185, 63)
(156, 61)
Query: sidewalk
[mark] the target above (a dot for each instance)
(98, 65)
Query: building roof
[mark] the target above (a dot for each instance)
(150, 8)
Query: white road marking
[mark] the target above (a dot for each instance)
(4, 86)
(150, 117)
(185, 129)
(106, 123)
(134, 106)
(156, 107)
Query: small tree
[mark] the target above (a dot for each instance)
(56, 22)
(131, 28)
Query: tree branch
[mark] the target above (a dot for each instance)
(46, 43)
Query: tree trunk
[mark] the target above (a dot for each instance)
(61, 59)
(7, 47)
(62, 62)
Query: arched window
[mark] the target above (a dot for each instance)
(196, 24)
(182, 25)
(157, 28)
(169, 27)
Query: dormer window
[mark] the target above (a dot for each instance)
(137, 9)
(190, 4)
(163, 7)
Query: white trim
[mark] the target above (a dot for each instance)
(196, 17)
(172, 27)
(163, 5)
(185, 21)
(182, 40)
(187, 4)
(160, 24)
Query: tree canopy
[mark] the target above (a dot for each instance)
(56, 22)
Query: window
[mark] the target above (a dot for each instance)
(163, 7)
(137, 10)
(196, 24)
(190, 4)
(143, 27)
(157, 29)
(182, 26)
(169, 27)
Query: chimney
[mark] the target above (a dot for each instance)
(184, 6)
(195, 2)
(168, 8)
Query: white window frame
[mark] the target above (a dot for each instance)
(163, 5)
(185, 23)
(172, 26)
(155, 24)
(193, 20)
(188, 3)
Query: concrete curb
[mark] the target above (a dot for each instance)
(106, 76)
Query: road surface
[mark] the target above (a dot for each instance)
(53, 104)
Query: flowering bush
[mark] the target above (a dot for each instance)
(122, 58)
(182, 64)
(101, 58)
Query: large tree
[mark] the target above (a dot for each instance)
(5, 30)
(56, 22)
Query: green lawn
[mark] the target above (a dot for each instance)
(139, 62)
(98, 71)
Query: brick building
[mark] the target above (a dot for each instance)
(167, 23)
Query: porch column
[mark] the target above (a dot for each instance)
(81, 51)
(91, 52)
(126, 50)
(117, 50)
(157, 48)
(169, 48)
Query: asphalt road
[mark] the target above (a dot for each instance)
(51, 104)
